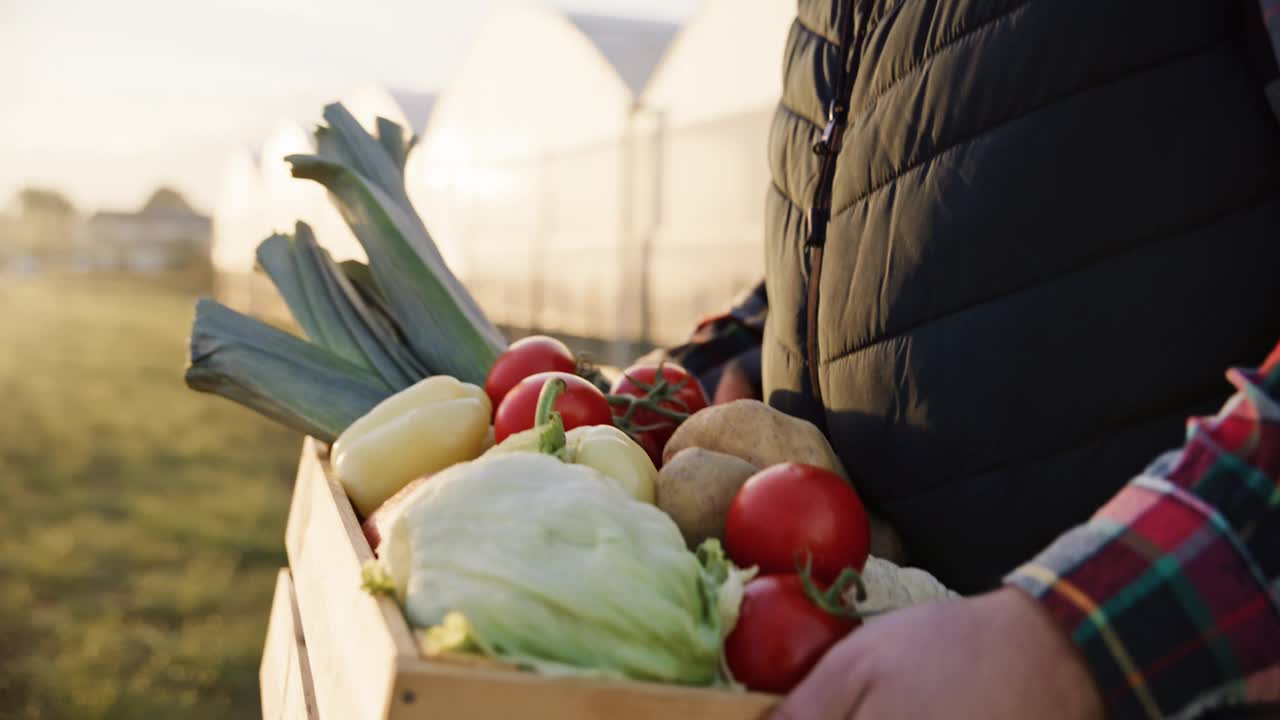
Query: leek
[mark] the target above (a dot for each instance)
(441, 321)
(296, 383)
(374, 329)
(330, 310)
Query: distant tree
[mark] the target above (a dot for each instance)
(45, 225)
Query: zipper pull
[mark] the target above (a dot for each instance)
(835, 116)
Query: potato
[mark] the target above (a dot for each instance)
(755, 432)
(696, 487)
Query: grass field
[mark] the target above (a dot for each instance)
(141, 524)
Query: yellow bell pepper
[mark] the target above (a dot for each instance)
(425, 428)
(604, 448)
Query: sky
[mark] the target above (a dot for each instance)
(106, 100)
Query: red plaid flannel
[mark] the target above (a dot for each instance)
(1172, 590)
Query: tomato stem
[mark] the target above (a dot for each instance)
(553, 439)
(833, 600)
(655, 394)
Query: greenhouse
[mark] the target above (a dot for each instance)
(615, 162)
(524, 172)
(702, 129)
(407, 109)
(291, 199)
(239, 217)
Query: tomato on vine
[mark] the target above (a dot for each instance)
(650, 401)
(786, 624)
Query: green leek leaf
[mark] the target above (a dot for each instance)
(382, 348)
(297, 279)
(296, 383)
(442, 322)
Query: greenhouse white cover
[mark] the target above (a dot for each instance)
(407, 109)
(238, 213)
(289, 199)
(239, 216)
(524, 171)
(703, 128)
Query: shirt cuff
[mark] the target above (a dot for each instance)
(1167, 608)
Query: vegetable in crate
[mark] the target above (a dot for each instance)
(548, 565)
(524, 357)
(602, 447)
(782, 632)
(372, 330)
(890, 587)
(792, 510)
(423, 429)
(581, 404)
(696, 489)
(651, 401)
(763, 436)
(788, 621)
(757, 433)
(291, 381)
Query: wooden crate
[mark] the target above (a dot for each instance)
(285, 673)
(365, 664)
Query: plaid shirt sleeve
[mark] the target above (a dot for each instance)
(1172, 590)
(722, 337)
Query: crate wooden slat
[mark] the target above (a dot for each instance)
(285, 673)
(365, 663)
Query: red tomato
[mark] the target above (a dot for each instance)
(787, 510)
(525, 357)
(581, 404)
(689, 399)
(780, 635)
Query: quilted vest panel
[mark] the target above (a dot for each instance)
(1052, 226)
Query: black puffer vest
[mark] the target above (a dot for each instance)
(1011, 246)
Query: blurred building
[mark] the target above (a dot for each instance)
(165, 234)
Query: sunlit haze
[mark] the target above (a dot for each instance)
(107, 100)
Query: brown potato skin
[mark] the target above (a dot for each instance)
(752, 431)
(696, 486)
(755, 432)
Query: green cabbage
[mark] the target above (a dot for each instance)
(553, 568)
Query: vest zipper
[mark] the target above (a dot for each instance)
(828, 148)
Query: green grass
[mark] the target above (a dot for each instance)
(141, 524)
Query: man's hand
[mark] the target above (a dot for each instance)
(995, 656)
(735, 384)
